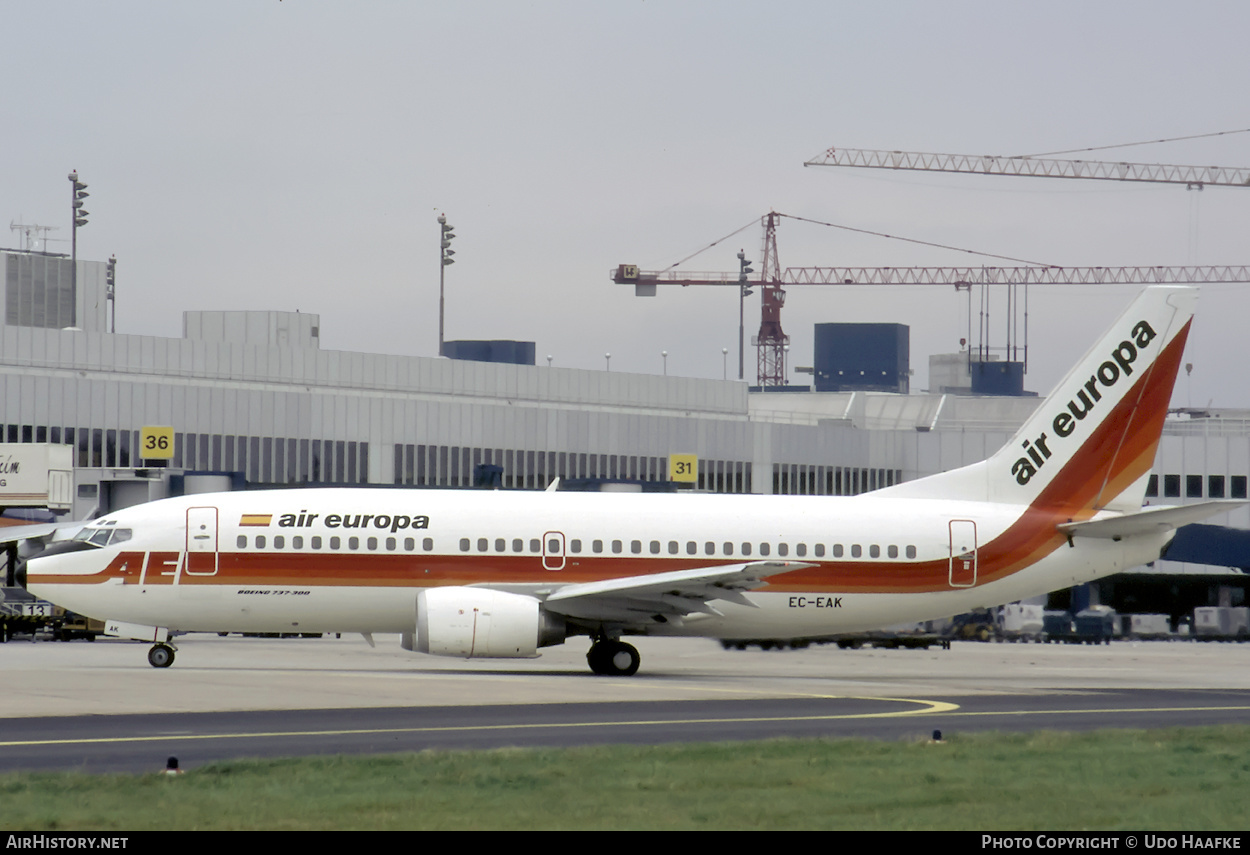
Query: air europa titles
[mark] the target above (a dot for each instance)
(304, 519)
(1087, 397)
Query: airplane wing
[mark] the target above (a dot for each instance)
(17, 533)
(675, 594)
(1149, 519)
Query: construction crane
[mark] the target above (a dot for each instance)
(1036, 167)
(771, 342)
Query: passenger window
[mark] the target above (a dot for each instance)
(764, 549)
(635, 546)
(297, 542)
(428, 544)
(316, 542)
(874, 551)
(709, 548)
(727, 548)
(501, 545)
(353, 543)
(783, 549)
(279, 541)
(617, 547)
(746, 549)
(336, 543)
(819, 549)
(553, 546)
(837, 550)
(464, 544)
(911, 552)
(260, 541)
(241, 543)
(390, 544)
(856, 550)
(655, 547)
(518, 545)
(575, 546)
(672, 547)
(800, 549)
(893, 551)
(596, 546)
(482, 544)
(410, 544)
(536, 545)
(372, 543)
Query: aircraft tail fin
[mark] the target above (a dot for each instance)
(1091, 444)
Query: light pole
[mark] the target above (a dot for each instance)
(110, 290)
(76, 195)
(744, 291)
(724, 363)
(548, 360)
(607, 359)
(445, 258)
(664, 356)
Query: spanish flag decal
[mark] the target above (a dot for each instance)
(255, 519)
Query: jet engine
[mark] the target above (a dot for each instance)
(478, 623)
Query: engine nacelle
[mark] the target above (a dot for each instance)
(477, 623)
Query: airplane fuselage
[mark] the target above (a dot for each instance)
(346, 560)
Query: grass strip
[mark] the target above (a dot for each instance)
(1178, 779)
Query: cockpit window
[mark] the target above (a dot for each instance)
(104, 536)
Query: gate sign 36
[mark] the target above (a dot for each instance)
(156, 443)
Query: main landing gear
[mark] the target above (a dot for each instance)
(613, 658)
(161, 656)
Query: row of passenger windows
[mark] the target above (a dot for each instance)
(554, 547)
(673, 547)
(391, 544)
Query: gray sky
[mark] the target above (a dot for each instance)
(295, 155)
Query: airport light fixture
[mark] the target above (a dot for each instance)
(78, 192)
(446, 235)
(744, 291)
(110, 291)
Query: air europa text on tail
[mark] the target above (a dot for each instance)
(1065, 422)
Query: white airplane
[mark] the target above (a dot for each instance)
(473, 573)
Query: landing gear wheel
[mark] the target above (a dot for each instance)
(161, 656)
(613, 659)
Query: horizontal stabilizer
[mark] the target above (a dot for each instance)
(1149, 520)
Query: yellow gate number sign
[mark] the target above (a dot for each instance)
(683, 467)
(156, 443)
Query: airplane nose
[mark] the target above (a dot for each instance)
(64, 547)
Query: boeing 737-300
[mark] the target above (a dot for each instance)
(473, 573)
